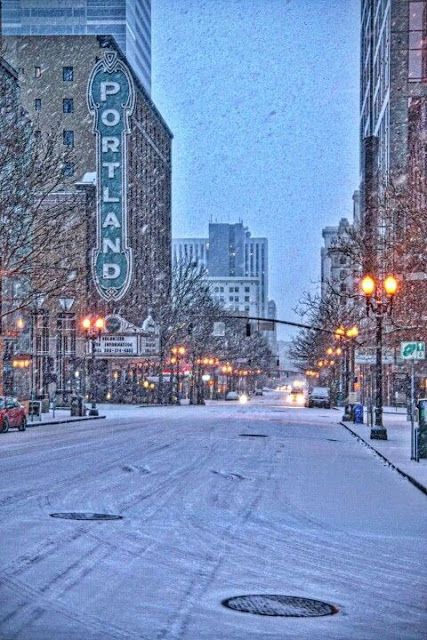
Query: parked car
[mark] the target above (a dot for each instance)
(319, 397)
(12, 414)
(232, 395)
(259, 392)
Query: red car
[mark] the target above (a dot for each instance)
(12, 414)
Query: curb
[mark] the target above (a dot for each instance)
(63, 421)
(411, 479)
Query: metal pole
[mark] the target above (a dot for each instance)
(93, 411)
(379, 432)
(413, 440)
(346, 415)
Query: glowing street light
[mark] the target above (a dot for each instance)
(379, 299)
(93, 328)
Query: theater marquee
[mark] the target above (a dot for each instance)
(111, 101)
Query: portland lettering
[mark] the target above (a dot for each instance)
(111, 101)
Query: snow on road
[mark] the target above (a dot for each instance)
(211, 510)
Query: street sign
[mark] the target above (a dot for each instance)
(116, 345)
(218, 329)
(367, 355)
(111, 101)
(413, 350)
(149, 345)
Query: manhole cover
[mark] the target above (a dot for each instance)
(86, 516)
(253, 435)
(278, 605)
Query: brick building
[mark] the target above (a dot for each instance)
(82, 89)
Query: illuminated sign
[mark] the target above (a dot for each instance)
(111, 101)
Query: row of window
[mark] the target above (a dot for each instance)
(231, 289)
(67, 105)
(67, 73)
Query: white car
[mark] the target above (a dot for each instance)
(232, 395)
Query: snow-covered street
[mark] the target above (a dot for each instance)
(216, 502)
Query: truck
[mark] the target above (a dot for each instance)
(319, 397)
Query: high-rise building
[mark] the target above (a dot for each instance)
(393, 82)
(393, 120)
(128, 22)
(229, 252)
(336, 268)
(195, 250)
(81, 89)
(236, 265)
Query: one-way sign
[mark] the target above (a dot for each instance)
(413, 350)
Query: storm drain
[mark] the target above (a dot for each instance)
(279, 605)
(253, 435)
(86, 516)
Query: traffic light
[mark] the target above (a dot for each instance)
(248, 329)
(190, 328)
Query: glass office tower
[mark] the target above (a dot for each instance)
(129, 21)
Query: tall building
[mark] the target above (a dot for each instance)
(193, 250)
(129, 23)
(236, 264)
(393, 120)
(393, 85)
(336, 268)
(229, 251)
(82, 88)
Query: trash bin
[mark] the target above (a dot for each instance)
(422, 428)
(358, 413)
(77, 406)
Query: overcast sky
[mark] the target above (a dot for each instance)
(262, 98)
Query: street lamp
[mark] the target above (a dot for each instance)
(177, 352)
(93, 328)
(379, 299)
(66, 344)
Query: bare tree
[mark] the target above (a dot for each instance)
(39, 220)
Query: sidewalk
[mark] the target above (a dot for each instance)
(62, 416)
(397, 448)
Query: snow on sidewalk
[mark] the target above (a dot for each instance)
(397, 448)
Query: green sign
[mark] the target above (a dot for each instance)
(413, 350)
(111, 100)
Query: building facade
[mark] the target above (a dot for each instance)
(238, 294)
(236, 265)
(393, 151)
(83, 89)
(128, 22)
(229, 251)
(194, 250)
(336, 267)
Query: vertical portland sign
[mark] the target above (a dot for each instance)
(111, 101)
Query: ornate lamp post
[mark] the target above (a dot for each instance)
(379, 299)
(93, 328)
(348, 335)
(177, 353)
(66, 341)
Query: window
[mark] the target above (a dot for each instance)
(68, 105)
(231, 298)
(247, 289)
(68, 74)
(417, 42)
(68, 169)
(246, 298)
(38, 104)
(68, 137)
(37, 72)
